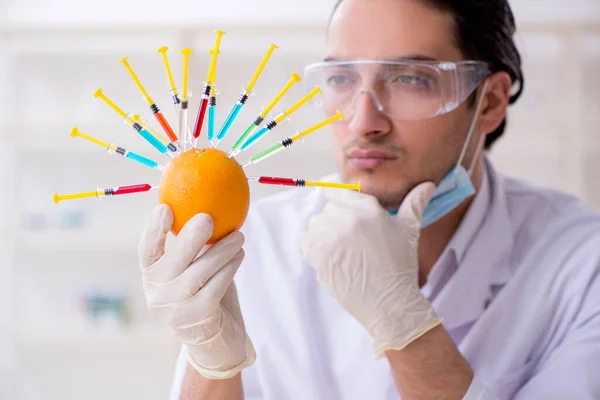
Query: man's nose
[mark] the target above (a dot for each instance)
(368, 119)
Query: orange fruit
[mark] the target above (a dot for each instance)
(206, 181)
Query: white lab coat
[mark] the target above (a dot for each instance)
(518, 288)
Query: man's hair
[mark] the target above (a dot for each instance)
(484, 31)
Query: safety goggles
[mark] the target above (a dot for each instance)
(404, 90)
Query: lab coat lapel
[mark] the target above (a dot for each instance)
(484, 263)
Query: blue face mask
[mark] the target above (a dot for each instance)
(453, 190)
(456, 185)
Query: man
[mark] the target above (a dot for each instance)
(443, 280)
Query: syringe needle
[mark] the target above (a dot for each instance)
(276, 121)
(287, 142)
(271, 180)
(237, 108)
(260, 118)
(108, 192)
(113, 148)
(153, 106)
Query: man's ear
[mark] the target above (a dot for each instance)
(495, 103)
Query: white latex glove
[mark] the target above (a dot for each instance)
(367, 260)
(195, 294)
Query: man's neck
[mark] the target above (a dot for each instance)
(435, 237)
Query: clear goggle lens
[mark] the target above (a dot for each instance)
(410, 90)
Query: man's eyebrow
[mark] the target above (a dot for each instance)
(410, 57)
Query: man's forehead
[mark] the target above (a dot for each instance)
(391, 29)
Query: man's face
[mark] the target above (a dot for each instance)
(391, 156)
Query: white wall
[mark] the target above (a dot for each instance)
(556, 10)
(139, 12)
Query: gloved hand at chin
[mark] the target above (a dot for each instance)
(367, 259)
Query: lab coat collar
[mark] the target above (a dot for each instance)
(473, 219)
(481, 247)
(453, 255)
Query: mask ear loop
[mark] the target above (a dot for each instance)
(477, 151)
(472, 129)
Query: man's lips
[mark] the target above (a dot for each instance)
(368, 159)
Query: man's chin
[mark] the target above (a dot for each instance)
(388, 189)
(371, 177)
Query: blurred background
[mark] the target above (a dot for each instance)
(73, 323)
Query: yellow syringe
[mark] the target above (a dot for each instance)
(153, 107)
(274, 123)
(237, 108)
(208, 87)
(295, 78)
(287, 142)
(155, 141)
(113, 148)
(272, 180)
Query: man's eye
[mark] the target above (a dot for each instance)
(412, 80)
(338, 80)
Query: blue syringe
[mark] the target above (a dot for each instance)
(112, 148)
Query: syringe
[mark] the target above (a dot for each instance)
(260, 118)
(185, 138)
(212, 110)
(270, 180)
(108, 192)
(206, 92)
(255, 159)
(112, 148)
(212, 116)
(173, 147)
(153, 107)
(173, 92)
(175, 95)
(237, 108)
(271, 125)
(155, 142)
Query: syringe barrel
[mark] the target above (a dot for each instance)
(266, 153)
(157, 144)
(165, 125)
(184, 136)
(131, 189)
(201, 116)
(240, 142)
(270, 180)
(142, 160)
(255, 138)
(212, 115)
(235, 112)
